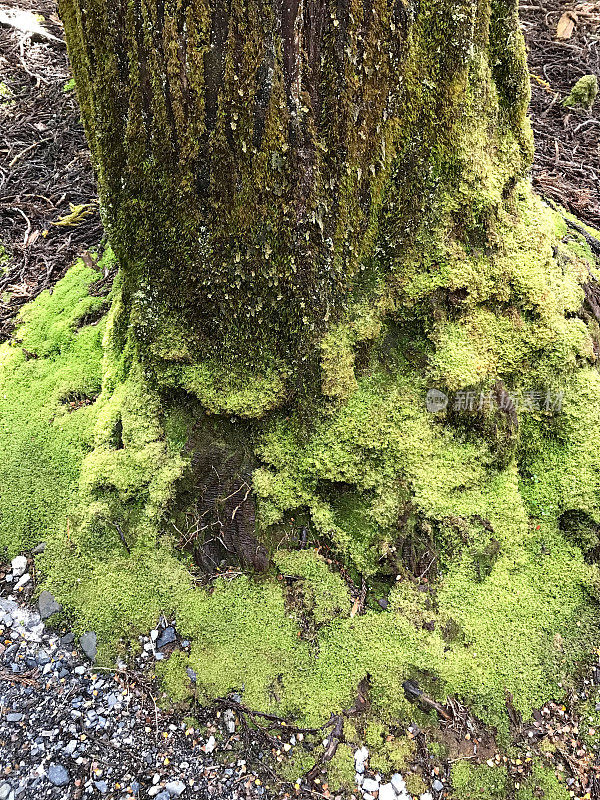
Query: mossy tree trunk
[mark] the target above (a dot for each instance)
(261, 165)
(320, 212)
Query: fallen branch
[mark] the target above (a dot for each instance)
(26, 22)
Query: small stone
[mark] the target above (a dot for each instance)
(166, 637)
(163, 796)
(191, 674)
(67, 639)
(360, 758)
(387, 792)
(39, 548)
(14, 717)
(23, 581)
(370, 785)
(47, 605)
(229, 719)
(398, 783)
(4, 791)
(18, 566)
(58, 775)
(175, 788)
(437, 786)
(383, 603)
(88, 644)
(426, 796)
(102, 786)
(210, 745)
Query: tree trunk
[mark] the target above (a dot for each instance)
(262, 165)
(347, 348)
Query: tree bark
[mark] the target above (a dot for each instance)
(262, 165)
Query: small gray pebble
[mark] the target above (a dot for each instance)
(166, 637)
(175, 788)
(191, 674)
(88, 644)
(47, 605)
(58, 775)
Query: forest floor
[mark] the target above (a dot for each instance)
(103, 733)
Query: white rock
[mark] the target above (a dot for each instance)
(229, 720)
(175, 788)
(360, 757)
(426, 796)
(23, 581)
(154, 635)
(18, 566)
(210, 745)
(387, 792)
(370, 785)
(397, 782)
(368, 796)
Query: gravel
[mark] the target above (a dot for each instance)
(70, 731)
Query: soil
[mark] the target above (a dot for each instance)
(567, 158)
(44, 166)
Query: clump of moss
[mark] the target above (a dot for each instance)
(326, 595)
(42, 442)
(542, 783)
(583, 94)
(341, 771)
(478, 782)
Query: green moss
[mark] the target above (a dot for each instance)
(326, 595)
(583, 94)
(478, 782)
(4, 258)
(542, 783)
(42, 442)
(175, 681)
(243, 622)
(341, 771)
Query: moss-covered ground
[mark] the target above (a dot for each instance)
(479, 527)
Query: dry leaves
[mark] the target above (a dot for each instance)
(566, 25)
